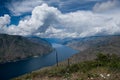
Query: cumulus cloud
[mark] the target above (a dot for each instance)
(4, 21)
(47, 21)
(106, 6)
(41, 16)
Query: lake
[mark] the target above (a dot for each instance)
(13, 69)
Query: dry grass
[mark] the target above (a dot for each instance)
(106, 67)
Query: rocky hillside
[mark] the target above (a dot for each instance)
(90, 46)
(14, 47)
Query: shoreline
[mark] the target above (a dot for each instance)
(35, 56)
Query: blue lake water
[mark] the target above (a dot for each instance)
(13, 69)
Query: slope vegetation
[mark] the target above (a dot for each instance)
(14, 47)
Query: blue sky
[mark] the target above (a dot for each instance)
(60, 18)
(65, 6)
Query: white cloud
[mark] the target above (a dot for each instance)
(47, 21)
(106, 6)
(4, 21)
(40, 17)
(20, 7)
(24, 6)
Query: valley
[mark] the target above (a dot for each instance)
(98, 59)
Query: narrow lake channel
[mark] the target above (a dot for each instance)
(13, 69)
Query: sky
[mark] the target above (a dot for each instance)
(60, 18)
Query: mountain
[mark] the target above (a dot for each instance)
(89, 47)
(57, 40)
(13, 47)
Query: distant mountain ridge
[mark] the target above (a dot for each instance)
(13, 47)
(91, 46)
(58, 40)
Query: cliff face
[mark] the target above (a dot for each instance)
(14, 47)
(91, 46)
